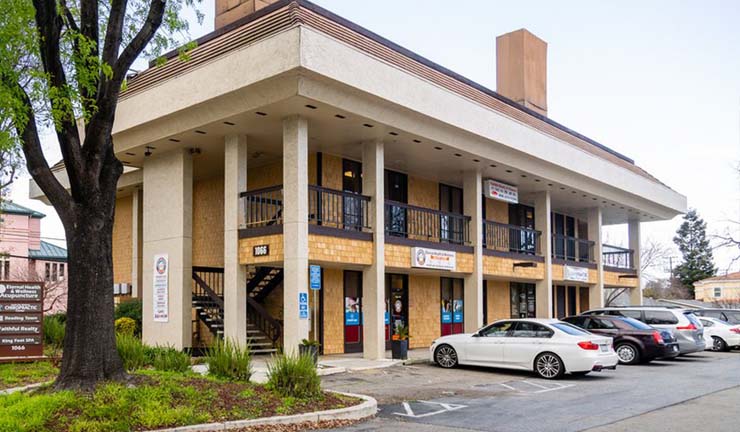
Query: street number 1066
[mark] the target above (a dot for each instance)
(17, 348)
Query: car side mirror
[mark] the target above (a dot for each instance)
(476, 334)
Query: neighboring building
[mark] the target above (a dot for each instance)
(719, 288)
(24, 256)
(293, 137)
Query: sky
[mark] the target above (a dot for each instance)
(658, 81)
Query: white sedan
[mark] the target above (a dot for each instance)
(720, 335)
(549, 347)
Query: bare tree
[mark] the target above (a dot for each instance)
(55, 291)
(652, 255)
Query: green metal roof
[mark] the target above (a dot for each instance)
(48, 252)
(13, 208)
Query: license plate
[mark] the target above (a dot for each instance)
(604, 348)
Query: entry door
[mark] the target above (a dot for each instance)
(452, 314)
(584, 299)
(559, 304)
(352, 206)
(451, 201)
(523, 300)
(396, 189)
(522, 241)
(353, 318)
(397, 299)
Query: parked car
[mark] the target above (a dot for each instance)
(731, 316)
(684, 325)
(548, 347)
(634, 341)
(720, 335)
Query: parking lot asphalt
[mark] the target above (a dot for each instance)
(692, 393)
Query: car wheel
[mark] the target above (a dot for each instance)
(718, 344)
(628, 354)
(446, 356)
(549, 366)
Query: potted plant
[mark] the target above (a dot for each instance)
(400, 342)
(310, 347)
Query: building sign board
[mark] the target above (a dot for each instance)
(577, 274)
(500, 191)
(432, 258)
(161, 288)
(21, 317)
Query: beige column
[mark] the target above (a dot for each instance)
(295, 229)
(168, 229)
(633, 233)
(373, 277)
(235, 274)
(542, 223)
(136, 242)
(596, 294)
(473, 207)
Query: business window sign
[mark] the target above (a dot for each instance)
(432, 258)
(500, 191)
(21, 314)
(457, 311)
(161, 288)
(577, 274)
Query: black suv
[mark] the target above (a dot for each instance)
(634, 341)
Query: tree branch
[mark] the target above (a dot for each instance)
(114, 33)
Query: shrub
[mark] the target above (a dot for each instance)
(54, 328)
(169, 359)
(130, 308)
(293, 376)
(126, 326)
(133, 353)
(229, 360)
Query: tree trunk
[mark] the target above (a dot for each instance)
(90, 353)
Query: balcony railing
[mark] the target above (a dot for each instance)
(510, 238)
(617, 257)
(326, 207)
(572, 249)
(418, 223)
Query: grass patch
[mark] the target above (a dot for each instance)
(152, 400)
(293, 376)
(228, 360)
(20, 374)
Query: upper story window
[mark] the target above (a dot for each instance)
(5, 269)
(717, 292)
(54, 272)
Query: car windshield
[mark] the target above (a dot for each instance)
(692, 319)
(570, 329)
(636, 324)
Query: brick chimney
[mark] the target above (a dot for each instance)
(228, 11)
(521, 69)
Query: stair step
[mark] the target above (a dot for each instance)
(264, 351)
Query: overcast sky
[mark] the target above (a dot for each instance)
(658, 81)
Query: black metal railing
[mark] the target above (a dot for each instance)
(572, 249)
(262, 207)
(260, 318)
(511, 238)
(418, 223)
(338, 209)
(211, 277)
(618, 257)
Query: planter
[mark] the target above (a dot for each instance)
(400, 349)
(311, 350)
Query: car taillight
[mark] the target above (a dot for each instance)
(691, 326)
(658, 338)
(588, 345)
(735, 330)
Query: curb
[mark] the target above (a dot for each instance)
(416, 361)
(368, 408)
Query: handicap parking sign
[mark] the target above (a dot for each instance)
(303, 305)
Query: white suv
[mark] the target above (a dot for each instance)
(684, 325)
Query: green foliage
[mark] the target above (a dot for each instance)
(132, 351)
(698, 262)
(125, 326)
(169, 359)
(293, 376)
(131, 308)
(402, 332)
(54, 328)
(228, 360)
(19, 374)
(309, 342)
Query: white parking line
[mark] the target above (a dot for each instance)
(507, 386)
(445, 408)
(535, 385)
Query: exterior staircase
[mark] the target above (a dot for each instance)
(263, 331)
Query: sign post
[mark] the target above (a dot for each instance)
(315, 285)
(21, 318)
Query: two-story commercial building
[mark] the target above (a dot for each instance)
(294, 138)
